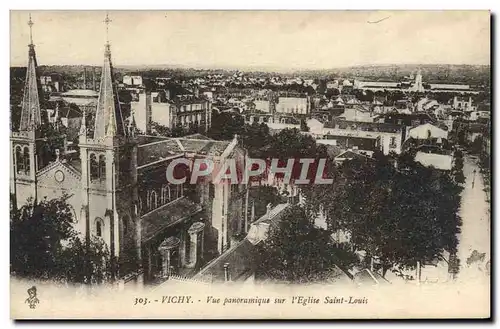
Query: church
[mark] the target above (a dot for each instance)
(115, 183)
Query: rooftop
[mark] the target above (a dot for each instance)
(80, 93)
(162, 148)
(167, 215)
(242, 257)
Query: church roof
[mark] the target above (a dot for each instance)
(156, 151)
(166, 148)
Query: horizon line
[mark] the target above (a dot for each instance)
(257, 68)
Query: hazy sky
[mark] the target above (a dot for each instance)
(272, 39)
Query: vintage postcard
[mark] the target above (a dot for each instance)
(250, 164)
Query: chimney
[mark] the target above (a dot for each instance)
(226, 272)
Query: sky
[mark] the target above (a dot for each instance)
(254, 39)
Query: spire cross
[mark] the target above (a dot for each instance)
(30, 24)
(107, 20)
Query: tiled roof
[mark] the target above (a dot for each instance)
(168, 215)
(160, 148)
(153, 152)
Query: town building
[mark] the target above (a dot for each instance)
(364, 136)
(171, 109)
(135, 80)
(462, 103)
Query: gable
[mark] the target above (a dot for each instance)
(58, 176)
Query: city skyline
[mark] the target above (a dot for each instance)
(262, 40)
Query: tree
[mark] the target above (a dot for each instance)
(161, 130)
(298, 252)
(477, 145)
(458, 168)
(44, 244)
(225, 125)
(401, 215)
(37, 233)
(71, 260)
(255, 138)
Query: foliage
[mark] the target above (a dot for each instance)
(458, 168)
(98, 257)
(45, 245)
(225, 125)
(298, 252)
(255, 138)
(160, 130)
(477, 145)
(262, 196)
(400, 214)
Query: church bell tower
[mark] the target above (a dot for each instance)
(24, 162)
(108, 154)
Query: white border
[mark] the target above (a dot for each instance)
(185, 4)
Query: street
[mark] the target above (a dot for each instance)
(475, 235)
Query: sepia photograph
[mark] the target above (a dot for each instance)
(250, 164)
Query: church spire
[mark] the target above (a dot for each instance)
(108, 120)
(30, 110)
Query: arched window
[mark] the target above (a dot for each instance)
(19, 160)
(94, 167)
(153, 200)
(165, 194)
(99, 225)
(26, 157)
(102, 167)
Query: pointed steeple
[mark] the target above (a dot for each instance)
(31, 117)
(108, 120)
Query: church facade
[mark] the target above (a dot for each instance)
(116, 184)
